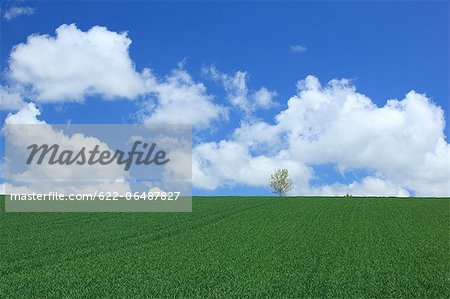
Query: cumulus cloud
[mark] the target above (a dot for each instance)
(28, 115)
(238, 93)
(44, 178)
(298, 48)
(263, 98)
(226, 162)
(368, 186)
(336, 124)
(402, 142)
(74, 64)
(179, 100)
(17, 11)
(10, 100)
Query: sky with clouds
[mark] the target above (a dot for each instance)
(350, 97)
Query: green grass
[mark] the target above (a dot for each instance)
(230, 247)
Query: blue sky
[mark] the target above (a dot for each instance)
(385, 48)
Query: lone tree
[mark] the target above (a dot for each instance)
(280, 182)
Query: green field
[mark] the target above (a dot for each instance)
(233, 246)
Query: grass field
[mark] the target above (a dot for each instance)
(233, 246)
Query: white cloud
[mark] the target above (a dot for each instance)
(25, 116)
(263, 98)
(335, 124)
(369, 186)
(10, 100)
(180, 100)
(74, 64)
(298, 48)
(238, 93)
(20, 138)
(402, 143)
(259, 137)
(17, 11)
(230, 163)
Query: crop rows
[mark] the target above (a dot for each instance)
(233, 246)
